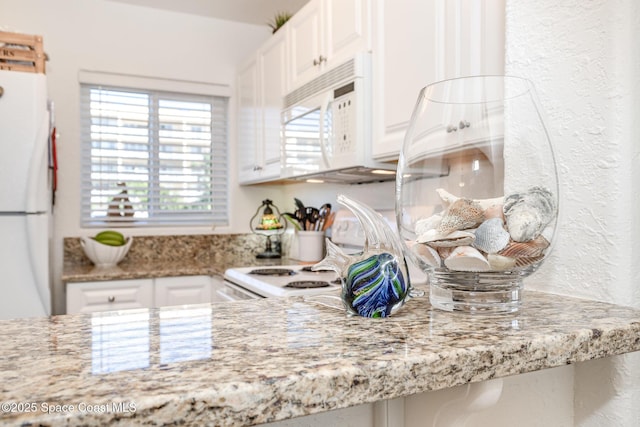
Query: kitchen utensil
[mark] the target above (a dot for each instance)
(301, 216)
(299, 203)
(324, 212)
(311, 217)
(329, 221)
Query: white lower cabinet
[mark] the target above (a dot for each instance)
(88, 297)
(182, 290)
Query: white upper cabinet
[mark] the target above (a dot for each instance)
(248, 120)
(261, 85)
(305, 43)
(272, 60)
(418, 43)
(325, 33)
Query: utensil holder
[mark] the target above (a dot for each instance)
(310, 246)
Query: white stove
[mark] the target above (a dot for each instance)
(252, 282)
(279, 281)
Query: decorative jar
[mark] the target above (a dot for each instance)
(477, 191)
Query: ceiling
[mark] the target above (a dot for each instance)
(258, 12)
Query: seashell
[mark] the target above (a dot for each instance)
(531, 249)
(491, 236)
(463, 213)
(527, 214)
(448, 199)
(500, 263)
(444, 252)
(523, 262)
(375, 285)
(456, 238)
(425, 224)
(494, 211)
(466, 258)
(426, 254)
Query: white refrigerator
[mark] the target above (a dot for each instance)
(24, 196)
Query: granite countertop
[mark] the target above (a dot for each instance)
(164, 268)
(250, 362)
(166, 256)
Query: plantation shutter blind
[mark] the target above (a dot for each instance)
(153, 158)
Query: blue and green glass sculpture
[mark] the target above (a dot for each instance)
(375, 282)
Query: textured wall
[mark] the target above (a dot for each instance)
(584, 59)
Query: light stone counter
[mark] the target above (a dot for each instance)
(166, 256)
(256, 361)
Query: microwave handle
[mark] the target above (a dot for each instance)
(324, 108)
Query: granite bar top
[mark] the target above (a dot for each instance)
(250, 362)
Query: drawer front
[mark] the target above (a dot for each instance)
(114, 295)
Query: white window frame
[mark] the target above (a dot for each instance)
(218, 215)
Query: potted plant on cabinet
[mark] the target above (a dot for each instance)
(279, 20)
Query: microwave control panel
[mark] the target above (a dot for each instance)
(344, 119)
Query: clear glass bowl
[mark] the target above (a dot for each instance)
(477, 191)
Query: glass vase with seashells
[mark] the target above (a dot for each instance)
(477, 191)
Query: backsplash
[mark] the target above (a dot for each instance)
(146, 249)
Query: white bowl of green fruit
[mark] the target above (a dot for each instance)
(107, 248)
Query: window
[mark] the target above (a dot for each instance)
(153, 158)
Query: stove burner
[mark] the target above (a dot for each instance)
(273, 272)
(307, 284)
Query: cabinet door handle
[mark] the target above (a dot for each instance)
(320, 60)
(1, 91)
(451, 128)
(111, 298)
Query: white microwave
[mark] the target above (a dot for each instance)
(327, 128)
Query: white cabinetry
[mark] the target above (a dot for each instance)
(418, 43)
(182, 290)
(248, 121)
(88, 297)
(325, 33)
(261, 86)
(272, 61)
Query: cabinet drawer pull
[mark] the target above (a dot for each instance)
(111, 298)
